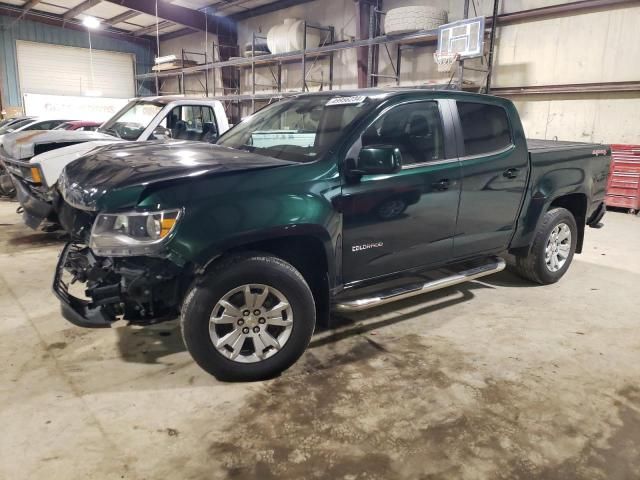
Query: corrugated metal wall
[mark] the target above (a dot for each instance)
(39, 32)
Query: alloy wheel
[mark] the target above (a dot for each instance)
(251, 323)
(558, 247)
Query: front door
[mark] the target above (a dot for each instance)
(405, 220)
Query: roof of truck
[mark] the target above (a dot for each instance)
(391, 91)
(176, 98)
(384, 92)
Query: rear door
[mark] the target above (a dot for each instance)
(494, 174)
(407, 219)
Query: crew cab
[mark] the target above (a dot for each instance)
(35, 159)
(333, 200)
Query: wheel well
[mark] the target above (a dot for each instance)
(576, 203)
(307, 254)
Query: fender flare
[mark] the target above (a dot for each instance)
(235, 242)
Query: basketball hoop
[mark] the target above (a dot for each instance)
(459, 40)
(445, 61)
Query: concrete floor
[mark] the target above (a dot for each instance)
(494, 379)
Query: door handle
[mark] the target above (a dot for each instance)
(441, 185)
(511, 173)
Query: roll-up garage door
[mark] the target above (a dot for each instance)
(59, 70)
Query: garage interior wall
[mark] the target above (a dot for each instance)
(11, 32)
(599, 46)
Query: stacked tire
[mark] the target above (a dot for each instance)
(412, 19)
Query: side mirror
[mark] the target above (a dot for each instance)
(161, 133)
(378, 160)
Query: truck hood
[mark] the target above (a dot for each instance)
(136, 165)
(71, 153)
(23, 145)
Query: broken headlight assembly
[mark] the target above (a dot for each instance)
(132, 233)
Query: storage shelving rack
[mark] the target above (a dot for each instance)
(251, 64)
(180, 73)
(327, 50)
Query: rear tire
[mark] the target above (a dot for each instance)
(551, 252)
(248, 346)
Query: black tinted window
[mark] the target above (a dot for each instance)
(485, 128)
(415, 128)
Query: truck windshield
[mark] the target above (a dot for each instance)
(299, 129)
(132, 120)
(11, 127)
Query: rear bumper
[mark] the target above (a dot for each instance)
(35, 209)
(77, 311)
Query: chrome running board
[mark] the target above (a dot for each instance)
(493, 265)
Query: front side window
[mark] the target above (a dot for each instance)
(414, 128)
(485, 128)
(132, 120)
(191, 122)
(300, 129)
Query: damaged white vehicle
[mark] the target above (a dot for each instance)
(35, 159)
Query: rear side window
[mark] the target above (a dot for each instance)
(485, 128)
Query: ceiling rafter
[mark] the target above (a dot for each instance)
(57, 21)
(26, 7)
(78, 9)
(124, 16)
(152, 28)
(186, 17)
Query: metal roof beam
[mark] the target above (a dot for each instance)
(152, 28)
(262, 9)
(121, 18)
(78, 9)
(57, 21)
(26, 7)
(187, 17)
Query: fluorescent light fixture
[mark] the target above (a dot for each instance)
(91, 22)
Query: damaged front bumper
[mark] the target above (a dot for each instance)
(35, 209)
(36, 201)
(140, 290)
(77, 311)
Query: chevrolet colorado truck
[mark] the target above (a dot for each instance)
(333, 200)
(35, 159)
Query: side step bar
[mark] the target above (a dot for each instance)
(493, 265)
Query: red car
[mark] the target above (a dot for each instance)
(79, 125)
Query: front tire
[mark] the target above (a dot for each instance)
(552, 250)
(248, 319)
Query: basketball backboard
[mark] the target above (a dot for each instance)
(464, 38)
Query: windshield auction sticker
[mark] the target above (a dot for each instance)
(346, 100)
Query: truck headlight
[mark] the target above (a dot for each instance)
(132, 233)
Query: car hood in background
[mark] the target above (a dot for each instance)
(22, 145)
(140, 164)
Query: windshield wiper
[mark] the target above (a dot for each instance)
(246, 147)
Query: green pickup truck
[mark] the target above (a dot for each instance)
(326, 201)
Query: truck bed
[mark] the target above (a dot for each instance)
(542, 146)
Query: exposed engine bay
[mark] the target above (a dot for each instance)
(142, 292)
